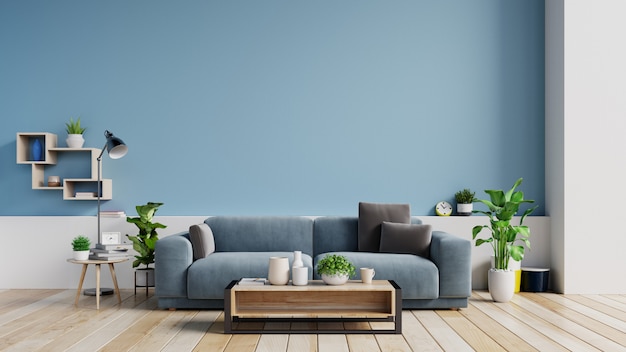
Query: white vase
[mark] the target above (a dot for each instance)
(464, 209)
(300, 275)
(75, 140)
(278, 273)
(144, 277)
(335, 279)
(501, 284)
(81, 255)
(297, 259)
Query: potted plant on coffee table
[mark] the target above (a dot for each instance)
(464, 202)
(80, 245)
(502, 206)
(144, 242)
(335, 269)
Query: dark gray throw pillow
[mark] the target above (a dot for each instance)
(371, 217)
(202, 241)
(406, 238)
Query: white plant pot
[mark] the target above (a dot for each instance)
(335, 279)
(501, 284)
(81, 255)
(464, 209)
(75, 140)
(143, 276)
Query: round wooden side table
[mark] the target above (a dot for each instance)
(97, 263)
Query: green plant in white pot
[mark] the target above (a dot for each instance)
(81, 246)
(464, 202)
(335, 269)
(504, 237)
(144, 242)
(74, 133)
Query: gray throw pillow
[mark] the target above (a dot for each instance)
(202, 240)
(406, 238)
(372, 215)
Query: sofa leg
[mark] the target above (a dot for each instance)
(172, 309)
(455, 309)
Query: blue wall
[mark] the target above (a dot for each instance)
(278, 107)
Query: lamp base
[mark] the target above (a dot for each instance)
(103, 291)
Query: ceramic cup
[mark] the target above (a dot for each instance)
(54, 181)
(300, 275)
(367, 274)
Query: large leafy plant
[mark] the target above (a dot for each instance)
(145, 241)
(502, 206)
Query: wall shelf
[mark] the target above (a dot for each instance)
(70, 185)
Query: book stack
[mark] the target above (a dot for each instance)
(86, 195)
(109, 251)
(112, 213)
(253, 281)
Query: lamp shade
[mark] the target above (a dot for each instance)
(115, 146)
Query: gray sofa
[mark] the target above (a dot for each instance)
(243, 246)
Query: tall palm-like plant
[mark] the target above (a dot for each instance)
(145, 241)
(501, 209)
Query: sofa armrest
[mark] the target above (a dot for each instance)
(453, 257)
(172, 257)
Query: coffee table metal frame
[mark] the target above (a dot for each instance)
(386, 306)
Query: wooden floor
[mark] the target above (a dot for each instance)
(46, 320)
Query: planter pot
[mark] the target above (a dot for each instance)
(75, 140)
(278, 273)
(464, 209)
(335, 279)
(144, 277)
(81, 255)
(501, 284)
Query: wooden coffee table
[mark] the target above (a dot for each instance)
(317, 303)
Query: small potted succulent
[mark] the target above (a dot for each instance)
(80, 245)
(74, 133)
(464, 202)
(335, 269)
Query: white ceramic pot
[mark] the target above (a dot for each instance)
(501, 284)
(464, 209)
(278, 273)
(75, 140)
(144, 277)
(300, 275)
(335, 279)
(81, 255)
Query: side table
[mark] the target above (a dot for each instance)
(97, 263)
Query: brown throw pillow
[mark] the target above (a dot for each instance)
(202, 240)
(406, 238)
(372, 215)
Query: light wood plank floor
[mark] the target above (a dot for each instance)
(46, 320)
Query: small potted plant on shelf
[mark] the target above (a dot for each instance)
(335, 269)
(145, 241)
(464, 202)
(74, 133)
(503, 237)
(80, 245)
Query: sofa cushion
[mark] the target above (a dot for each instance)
(405, 238)
(202, 241)
(208, 277)
(371, 217)
(417, 277)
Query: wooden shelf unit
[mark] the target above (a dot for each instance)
(50, 151)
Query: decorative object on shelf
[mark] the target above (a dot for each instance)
(36, 150)
(335, 269)
(501, 209)
(367, 275)
(74, 133)
(443, 208)
(147, 237)
(54, 181)
(297, 259)
(464, 202)
(110, 238)
(278, 272)
(80, 245)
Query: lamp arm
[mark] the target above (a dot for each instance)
(100, 189)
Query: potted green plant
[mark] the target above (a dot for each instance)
(145, 241)
(74, 133)
(464, 202)
(504, 236)
(335, 269)
(81, 245)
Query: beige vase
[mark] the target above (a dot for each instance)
(501, 284)
(278, 273)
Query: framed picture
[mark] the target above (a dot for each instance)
(111, 238)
